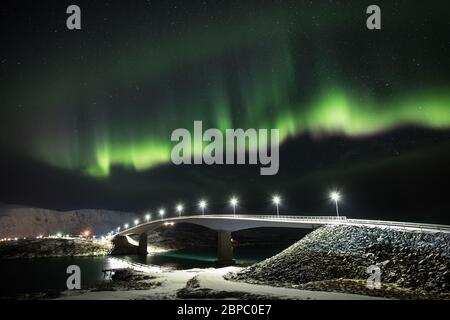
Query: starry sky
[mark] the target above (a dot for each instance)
(95, 107)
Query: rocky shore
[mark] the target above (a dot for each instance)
(50, 248)
(335, 258)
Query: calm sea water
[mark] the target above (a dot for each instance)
(49, 275)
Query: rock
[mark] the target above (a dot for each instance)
(333, 252)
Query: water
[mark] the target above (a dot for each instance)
(205, 257)
(49, 275)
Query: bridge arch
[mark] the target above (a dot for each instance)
(224, 225)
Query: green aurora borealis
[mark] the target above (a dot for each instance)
(334, 112)
(107, 97)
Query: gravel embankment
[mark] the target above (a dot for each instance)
(335, 258)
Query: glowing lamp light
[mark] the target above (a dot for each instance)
(335, 196)
(276, 200)
(162, 212)
(147, 217)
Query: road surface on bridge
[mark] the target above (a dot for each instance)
(232, 223)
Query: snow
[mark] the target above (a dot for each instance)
(20, 221)
(212, 279)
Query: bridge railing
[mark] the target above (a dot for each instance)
(414, 225)
(273, 217)
(319, 219)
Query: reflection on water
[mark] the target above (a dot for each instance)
(49, 275)
(205, 257)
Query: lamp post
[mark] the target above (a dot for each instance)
(335, 196)
(234, 201)
(179, 208)
(148, 217)
(277, 200)
(202, 205)
(162, 212)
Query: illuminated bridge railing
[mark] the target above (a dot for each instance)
(274, 217)
(247, 216)
(414, 225)
(343, 219)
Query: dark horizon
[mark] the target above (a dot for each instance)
(304, 187)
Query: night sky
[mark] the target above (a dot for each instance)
(86, 116)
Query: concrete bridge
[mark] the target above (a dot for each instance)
(226, 224)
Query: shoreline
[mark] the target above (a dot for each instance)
(196, 283)
(329, 261)
(53, 248)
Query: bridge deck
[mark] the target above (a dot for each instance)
(239, 222)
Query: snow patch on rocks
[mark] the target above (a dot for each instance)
(335, 254)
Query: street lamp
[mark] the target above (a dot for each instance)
(118, 229)
(179, 208)
(233, 202)
(148, 217)
(126, 226)
(162, 212)
(335, 196)
(202, 205)
(136, 222)
(277, 200)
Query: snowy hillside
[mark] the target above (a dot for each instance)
(18, 221)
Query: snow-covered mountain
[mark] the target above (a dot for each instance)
(21, 221)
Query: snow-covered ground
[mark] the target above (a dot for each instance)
(210, 281)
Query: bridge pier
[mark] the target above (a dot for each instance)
(121, 245)
(224, 249)
(143, 243)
